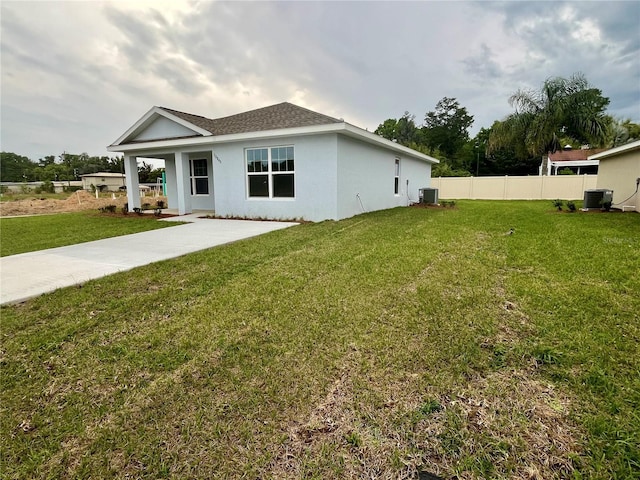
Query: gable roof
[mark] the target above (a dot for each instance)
(275, 121)
(617, 150)
(573, 155)
(274, 117)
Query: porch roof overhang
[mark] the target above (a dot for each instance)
(574, 163)
(194, 143)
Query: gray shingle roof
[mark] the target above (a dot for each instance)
(282, 115)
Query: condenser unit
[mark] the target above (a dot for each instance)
(428, 195)
(597, 199)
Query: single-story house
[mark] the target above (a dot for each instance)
(103, 181)
(575, 160)
(620, 172)
(276, 162)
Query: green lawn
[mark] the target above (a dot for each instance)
(404, 341)
(28, 234)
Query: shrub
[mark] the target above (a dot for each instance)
(558, 204)
(108, 209)
(571, 206)
(160, 203)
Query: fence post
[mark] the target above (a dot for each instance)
(542, 187)
(504, 191)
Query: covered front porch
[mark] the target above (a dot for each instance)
(188, 175)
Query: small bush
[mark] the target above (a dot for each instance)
(571, 206)
(138, 210)
(146, 206)
(157, 212)
(160, 203)
(108, 209)
(125, 209)
(558, 204)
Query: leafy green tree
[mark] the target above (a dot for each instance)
(447, 127)
(563, 108)
(402, 130)
(16, 168)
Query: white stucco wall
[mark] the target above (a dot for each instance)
(198, 202)
(369, 171)
(164, 128)
(315, 180)
(619, 173)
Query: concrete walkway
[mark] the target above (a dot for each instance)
(31, 274)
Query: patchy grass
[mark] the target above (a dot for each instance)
(28, 234)
(392, 344)
(15, 196)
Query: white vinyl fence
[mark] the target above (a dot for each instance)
(563, 187)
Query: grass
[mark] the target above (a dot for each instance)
(28, 234)
(386, 345)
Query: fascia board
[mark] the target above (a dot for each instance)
(614, 151)
(236, 137)
(369, 137)
(341, 128)
(148, 117)
(574, 163)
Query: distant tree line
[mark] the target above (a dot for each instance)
(65, 167)
(564, 112)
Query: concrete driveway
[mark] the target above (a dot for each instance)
(31, 274)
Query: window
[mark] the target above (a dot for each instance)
(270, 172)
(199, 177)
(396, 179)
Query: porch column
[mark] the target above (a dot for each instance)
(133, 185)
(183, 181)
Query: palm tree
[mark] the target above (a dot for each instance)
(563, 110)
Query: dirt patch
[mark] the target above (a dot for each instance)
(77, 201)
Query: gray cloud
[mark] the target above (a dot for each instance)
(76, 75)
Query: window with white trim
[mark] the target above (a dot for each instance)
(199, 176)
(396, 178)
(270, 172)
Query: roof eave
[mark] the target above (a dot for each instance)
(147, 118)
(342, 128)
(615, 151)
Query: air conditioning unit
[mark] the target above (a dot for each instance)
(428, 195)
(597, 199)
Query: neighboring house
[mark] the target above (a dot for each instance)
(575, 160)
(103, 181)
(620, 172)
(277, 162)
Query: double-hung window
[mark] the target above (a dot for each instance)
(396, 178)
(270, 172)
(199, 177)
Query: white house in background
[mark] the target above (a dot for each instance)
(276, 162)
(103, 181)
(578, 161)
(620, 172)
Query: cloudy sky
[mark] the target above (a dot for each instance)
(75, 75)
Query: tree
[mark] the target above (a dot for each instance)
(16, 168)
(403, 130)
(446, 128)
(564, 110)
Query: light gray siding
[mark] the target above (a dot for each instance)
(315, 180)
(366, 178)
